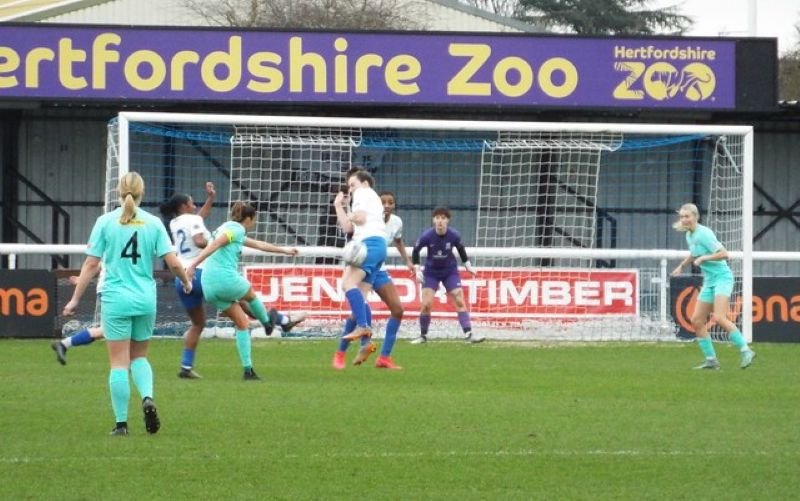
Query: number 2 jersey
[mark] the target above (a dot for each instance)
(184, 228)
(127, 252)
(394, 229)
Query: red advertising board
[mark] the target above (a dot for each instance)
(512, 294)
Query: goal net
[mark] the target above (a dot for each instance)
(568, 225)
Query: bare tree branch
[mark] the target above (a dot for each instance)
(789, 72)
(310, 14)
(508, 8)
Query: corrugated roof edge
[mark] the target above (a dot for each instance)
(451, 4)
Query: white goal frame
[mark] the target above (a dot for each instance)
(746, 132)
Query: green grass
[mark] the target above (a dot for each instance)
(493, 421)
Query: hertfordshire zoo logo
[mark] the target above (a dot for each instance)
(695, 81)
(661, 79)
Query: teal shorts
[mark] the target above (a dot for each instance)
(716, 285)
(126, 327)
(222, 294)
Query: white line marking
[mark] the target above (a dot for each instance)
(389, 454)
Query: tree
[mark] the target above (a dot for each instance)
(309, 14)
(789, 72)
(508, 8)
(604, 17)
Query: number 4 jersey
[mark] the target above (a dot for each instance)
(127, 252)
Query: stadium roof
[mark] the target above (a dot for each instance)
(36, 10)
(42, 10)
(510, 22)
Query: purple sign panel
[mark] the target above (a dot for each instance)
(113, 63)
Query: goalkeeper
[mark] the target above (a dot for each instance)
(441, 268)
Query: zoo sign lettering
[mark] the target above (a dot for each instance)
(662, 81)
(151, 64)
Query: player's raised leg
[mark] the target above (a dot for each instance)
(83, 337)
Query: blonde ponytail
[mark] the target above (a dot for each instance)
(128, 209)
(131, 189)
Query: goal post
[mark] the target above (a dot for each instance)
(568, 224)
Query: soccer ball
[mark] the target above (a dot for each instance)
(70, 327)
(354, 253)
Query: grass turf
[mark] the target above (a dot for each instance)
(491, 421)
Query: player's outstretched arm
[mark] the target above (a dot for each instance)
(211, 194)
(462, 253)
(221, 241)
(342, 217)
(176, 267)
(415, 267)
(401, 249)
(681, 265)
(268, 247)
(89, 269)
(719, 255)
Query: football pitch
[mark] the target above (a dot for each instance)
(490, 421)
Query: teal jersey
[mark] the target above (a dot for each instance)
(223, 263)
(703, 242)
(127, 252)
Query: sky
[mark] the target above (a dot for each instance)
(774, 18)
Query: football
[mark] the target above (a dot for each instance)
(354, 253)
(70, 327)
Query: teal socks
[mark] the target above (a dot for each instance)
(142, 374)
(120, 393)
(738, 340)
(120, 388)
(707, 347)
(257, 307)
(243, 345)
